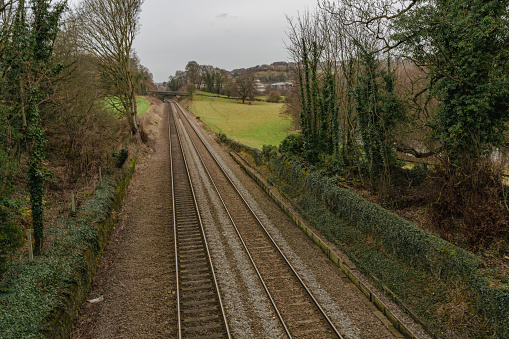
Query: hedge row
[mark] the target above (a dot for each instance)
(402, 239)
(41, 299)
(395, 236)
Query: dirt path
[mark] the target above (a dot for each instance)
(136, 276)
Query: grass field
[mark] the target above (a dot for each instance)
(255, 125)
(142, 105)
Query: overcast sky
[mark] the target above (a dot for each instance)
(228, 34)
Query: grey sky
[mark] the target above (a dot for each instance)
(225, 33)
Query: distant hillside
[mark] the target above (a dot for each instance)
(276, 72)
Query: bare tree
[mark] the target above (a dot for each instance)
(79, 127)
(177, 81)
(108, 28)
(194, 74)
(245, 86)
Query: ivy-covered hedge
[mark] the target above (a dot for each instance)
(41, 299)
(402, 239)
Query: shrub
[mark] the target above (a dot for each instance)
(418, 173)
(274, 97)
(268, 152)
(292, 144)
(399, 238)
(469, 201)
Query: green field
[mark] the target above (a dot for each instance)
(141, 104)
(254, 125)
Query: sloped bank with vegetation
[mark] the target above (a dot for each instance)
(447, 287)
(42, 298)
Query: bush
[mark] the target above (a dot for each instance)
(222, 137)
(469, 201)
(292, 144)
(274, 97)
(404, 241)
(268, 152)
(39, 300)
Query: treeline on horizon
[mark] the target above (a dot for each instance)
(216, 80)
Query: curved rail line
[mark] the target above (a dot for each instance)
(298, 310)
(200, 310)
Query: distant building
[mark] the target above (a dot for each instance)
(281, 85)
(260, 87)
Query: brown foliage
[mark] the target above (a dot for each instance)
(468, 201)
(292, 107)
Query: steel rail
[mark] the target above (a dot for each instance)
(179, 322)
(303, 284)
(206, 247)
(287, 331)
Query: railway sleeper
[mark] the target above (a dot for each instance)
(306, 323)
(197, 238)
(194, 277)
(195, 282)
(198, 302)
(203, 328)
(191, 233)
(190, 246)
(211, 336)
(193, 262)
(198, 288)
(193, 249)
(200, 319)
(191, 255)
(312, 332)
(185, 226)
(199, 295)
(201, 309)
(195, 270)
(278, 277)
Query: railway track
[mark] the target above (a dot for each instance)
(298, 310)
(200, 310)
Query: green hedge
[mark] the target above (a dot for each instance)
(41, 299)
(393, 235)
(402, 239)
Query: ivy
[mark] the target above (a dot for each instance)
(378, 112)
(27, 77)
(467, 71)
